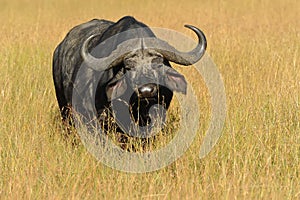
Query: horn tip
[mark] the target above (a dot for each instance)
(189, 26)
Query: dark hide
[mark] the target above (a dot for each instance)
(67, 61)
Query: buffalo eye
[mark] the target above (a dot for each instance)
(157, 60)
(129, 64)
(156, 66)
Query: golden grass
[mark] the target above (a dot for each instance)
(255, 44)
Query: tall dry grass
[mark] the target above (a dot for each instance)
(255, 44)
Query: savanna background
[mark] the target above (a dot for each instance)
(255, 45)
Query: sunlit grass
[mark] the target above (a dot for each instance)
(255, 45)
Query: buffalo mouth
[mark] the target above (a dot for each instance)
(144, 99)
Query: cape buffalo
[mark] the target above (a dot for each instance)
(144, 70)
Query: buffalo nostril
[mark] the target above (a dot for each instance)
(145, 89)
(148, 90)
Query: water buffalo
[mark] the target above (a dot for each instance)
(145, 70)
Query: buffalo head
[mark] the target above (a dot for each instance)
(144, 68)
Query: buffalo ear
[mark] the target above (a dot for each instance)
(115, 89)
(175, 81)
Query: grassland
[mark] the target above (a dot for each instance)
(256, 46)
